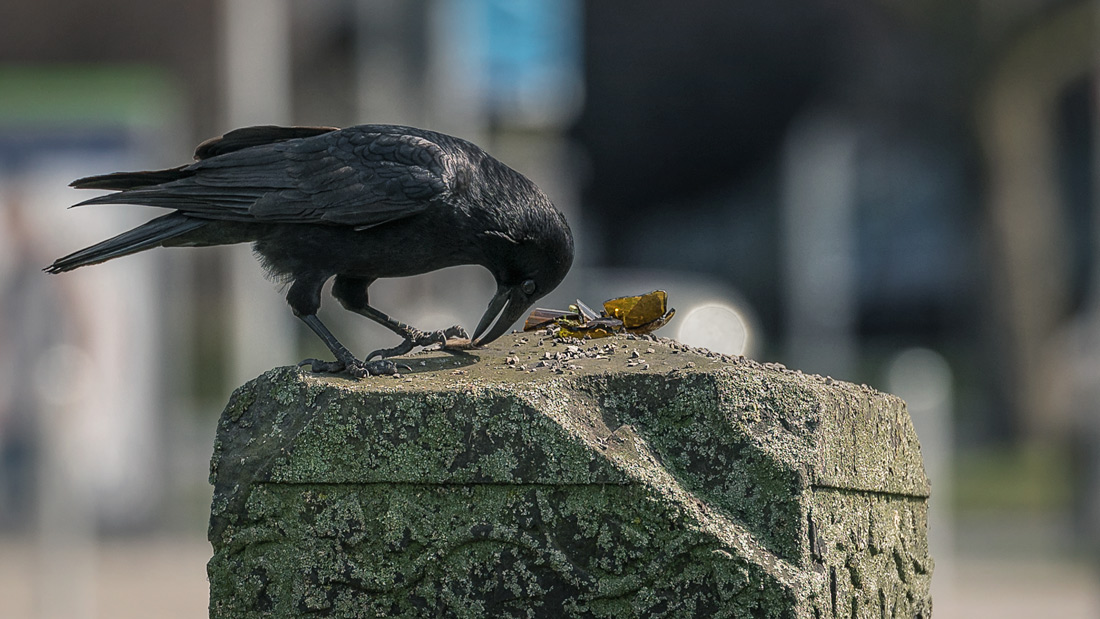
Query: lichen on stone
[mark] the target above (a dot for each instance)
(589, 485)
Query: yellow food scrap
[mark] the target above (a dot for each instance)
(638, 315)
(641, 314)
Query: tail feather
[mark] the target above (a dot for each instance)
(131, 180)
(192, 199)
(146, 236)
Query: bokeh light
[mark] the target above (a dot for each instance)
(717, 327)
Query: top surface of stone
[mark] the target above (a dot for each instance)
(840, 435)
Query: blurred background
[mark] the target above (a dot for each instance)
(902, 194)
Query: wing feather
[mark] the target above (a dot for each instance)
(361, 176)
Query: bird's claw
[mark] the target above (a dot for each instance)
(323, 367)
(358, 369)
(452, 338)
(456, 338)
(456, 332)
(383, 367)
(384, 353)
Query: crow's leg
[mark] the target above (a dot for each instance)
(304, 298)
(413, 336)
(352, 294)
(345, 360)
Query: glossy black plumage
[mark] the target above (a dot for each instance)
(359, 204)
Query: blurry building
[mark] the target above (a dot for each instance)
(951, 142)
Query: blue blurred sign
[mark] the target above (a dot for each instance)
(527, 54)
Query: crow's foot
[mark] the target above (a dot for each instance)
(358, 369)
(456, 338)
(452, 335)
(383, 367)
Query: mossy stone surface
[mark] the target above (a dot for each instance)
(536, 478)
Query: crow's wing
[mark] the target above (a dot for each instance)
(247, 137)
(361, 176)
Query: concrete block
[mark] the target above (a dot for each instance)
(535, 478)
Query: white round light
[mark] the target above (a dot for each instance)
(716, 327)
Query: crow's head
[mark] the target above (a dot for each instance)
(528, 260)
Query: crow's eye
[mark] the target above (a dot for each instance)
(528, 287)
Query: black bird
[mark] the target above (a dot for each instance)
(359, 203)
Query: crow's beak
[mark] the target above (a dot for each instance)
(506, 306)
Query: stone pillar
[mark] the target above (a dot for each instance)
(615, 478)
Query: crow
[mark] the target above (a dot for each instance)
(359, 203)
